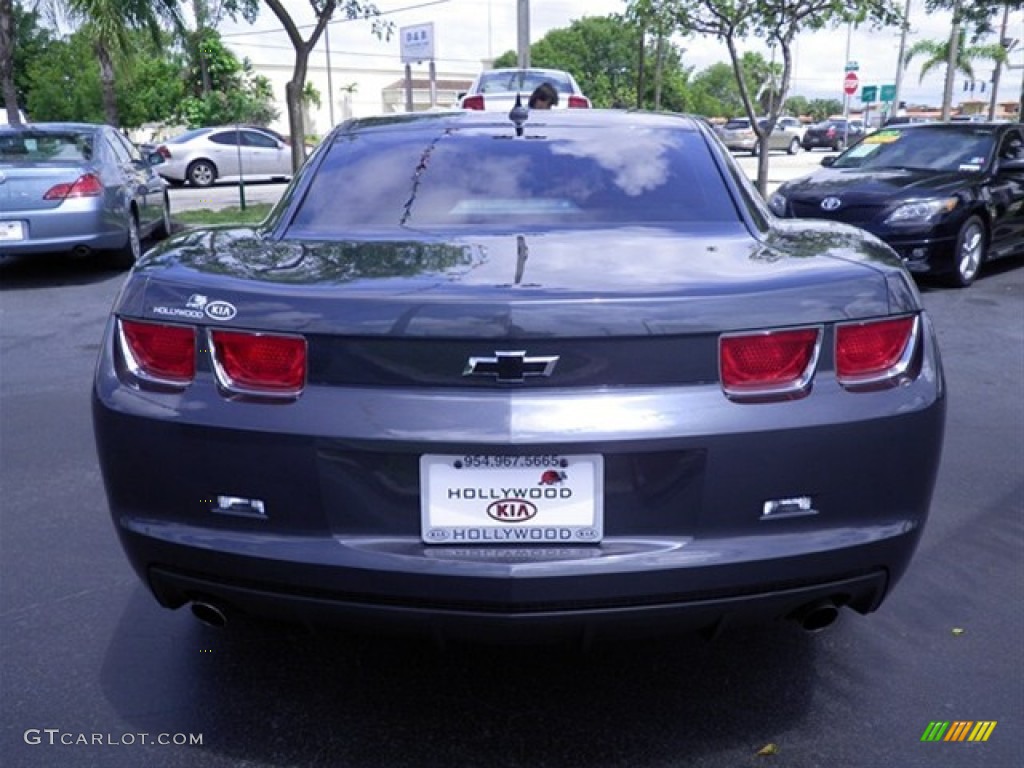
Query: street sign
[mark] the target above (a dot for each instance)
(852, 66)
(850, 83)
(868, 93)
(417, 43)
(888, 92)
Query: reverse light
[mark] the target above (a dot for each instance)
(921, 210)
(768, 364)
(157, 352)
(270, 365)
(875, 352)
(473, 102)
(87, 185)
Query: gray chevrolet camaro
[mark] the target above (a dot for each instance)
(518, 375)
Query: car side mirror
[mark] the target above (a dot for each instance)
(827, 161)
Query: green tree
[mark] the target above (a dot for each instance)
(324, 11)
(26, 41)
(715, 92)
(776, 22)
(820, 109)
(601, 52)
(220, 89)
(956, 54)
(62, 87)
(107, 23)
(936, 53)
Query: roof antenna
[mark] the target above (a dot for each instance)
(518, 114)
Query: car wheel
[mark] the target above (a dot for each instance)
(754, 150)
(794, 146)
(163, 229)
(125, 258)
(970, 252)
(201, 173)
(839, 146)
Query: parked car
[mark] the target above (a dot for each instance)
(737, 134)
(78, 188)
(205, 155)
(495, 378)
(947, 196)
(836, 135)
(496, 89)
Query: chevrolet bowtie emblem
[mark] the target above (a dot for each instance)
(510, 366)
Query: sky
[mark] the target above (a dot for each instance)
(467, 32)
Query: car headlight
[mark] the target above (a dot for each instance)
(777, 204)
(921, 210)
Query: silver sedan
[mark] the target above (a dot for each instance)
(205, 155)
(78, 188)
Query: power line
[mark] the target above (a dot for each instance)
(250, 32)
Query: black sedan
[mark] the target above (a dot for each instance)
(509, 375)
(946, 196)
(78, 188)
(834, 134)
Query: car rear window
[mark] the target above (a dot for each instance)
(381, 180)
(46, 146)
(735, 125)
(525, 82)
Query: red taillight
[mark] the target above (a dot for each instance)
(161, 353)
(768, 363)
(473, 102)
(873, 352)
(260, 363)
(579, 102)
(88, 185)
(164, 152)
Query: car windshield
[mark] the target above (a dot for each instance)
(38, 146)
(384, 179)
(951, 149)
(523, 80)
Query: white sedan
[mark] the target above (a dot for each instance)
(496, 89)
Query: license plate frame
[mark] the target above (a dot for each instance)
(498, 499)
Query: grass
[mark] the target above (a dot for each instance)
(204, 217)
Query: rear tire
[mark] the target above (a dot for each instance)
(971, 243)
(794, 146)
(125, 257)
(201, 173)
(163, 229)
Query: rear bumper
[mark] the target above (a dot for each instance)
(508, 623)
(61, 230)
(686, 478)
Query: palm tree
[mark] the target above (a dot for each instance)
(937, 53)
(107, 24)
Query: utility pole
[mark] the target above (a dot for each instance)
(523, 32)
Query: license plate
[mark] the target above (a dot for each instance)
(11, 231)
(499, 500)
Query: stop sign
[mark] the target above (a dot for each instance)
(850, 83)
